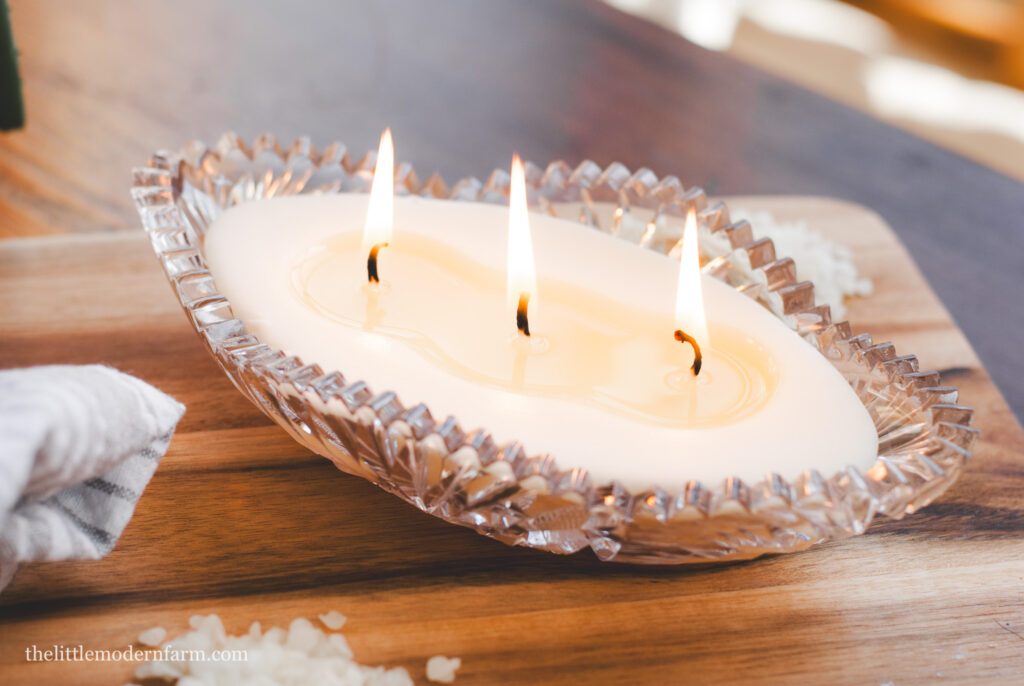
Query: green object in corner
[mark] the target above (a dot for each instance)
(12, 112)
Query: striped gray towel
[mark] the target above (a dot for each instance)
(78, 444)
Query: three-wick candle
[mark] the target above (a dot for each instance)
(602, 381)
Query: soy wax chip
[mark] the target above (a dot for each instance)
(333, 620)
(153, 637)
(442, 669)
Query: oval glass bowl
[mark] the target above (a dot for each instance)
(502, 491)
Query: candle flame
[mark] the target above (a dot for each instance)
(690, 316)
(522, 278)
(380, 214)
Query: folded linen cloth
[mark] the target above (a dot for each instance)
(78, 444)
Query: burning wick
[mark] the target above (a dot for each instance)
(521, 283)
(683, 337)
(371, 263)
(522, 320)
(690, 294)
(380, 212)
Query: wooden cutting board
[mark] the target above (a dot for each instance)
(241, 521)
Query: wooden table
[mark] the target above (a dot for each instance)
(241, 521)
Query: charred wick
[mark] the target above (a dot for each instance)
(683, 337)
(371, 263)
(522, 320)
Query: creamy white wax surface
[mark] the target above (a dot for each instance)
(810, 418)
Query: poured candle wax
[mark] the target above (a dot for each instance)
(601, 384)
(586, 348)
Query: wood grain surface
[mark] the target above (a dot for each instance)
(241, 521)
(464, 83)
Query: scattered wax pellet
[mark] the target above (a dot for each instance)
(442, 669)
(153, 637)
(333, 620)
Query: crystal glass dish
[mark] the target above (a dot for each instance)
(459, 473)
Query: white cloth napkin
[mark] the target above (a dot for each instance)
(78, 444)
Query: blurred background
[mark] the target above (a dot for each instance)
(950, 71)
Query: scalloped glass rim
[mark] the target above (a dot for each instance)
(500, 490)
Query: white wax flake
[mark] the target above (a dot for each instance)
(302, 654)
(333, 620)
(274, 634)
(828, 265)
(302, 635)
(153, 637)
(442, 669)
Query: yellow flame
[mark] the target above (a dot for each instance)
(522, 277)
(689, 295)
(380, 215)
